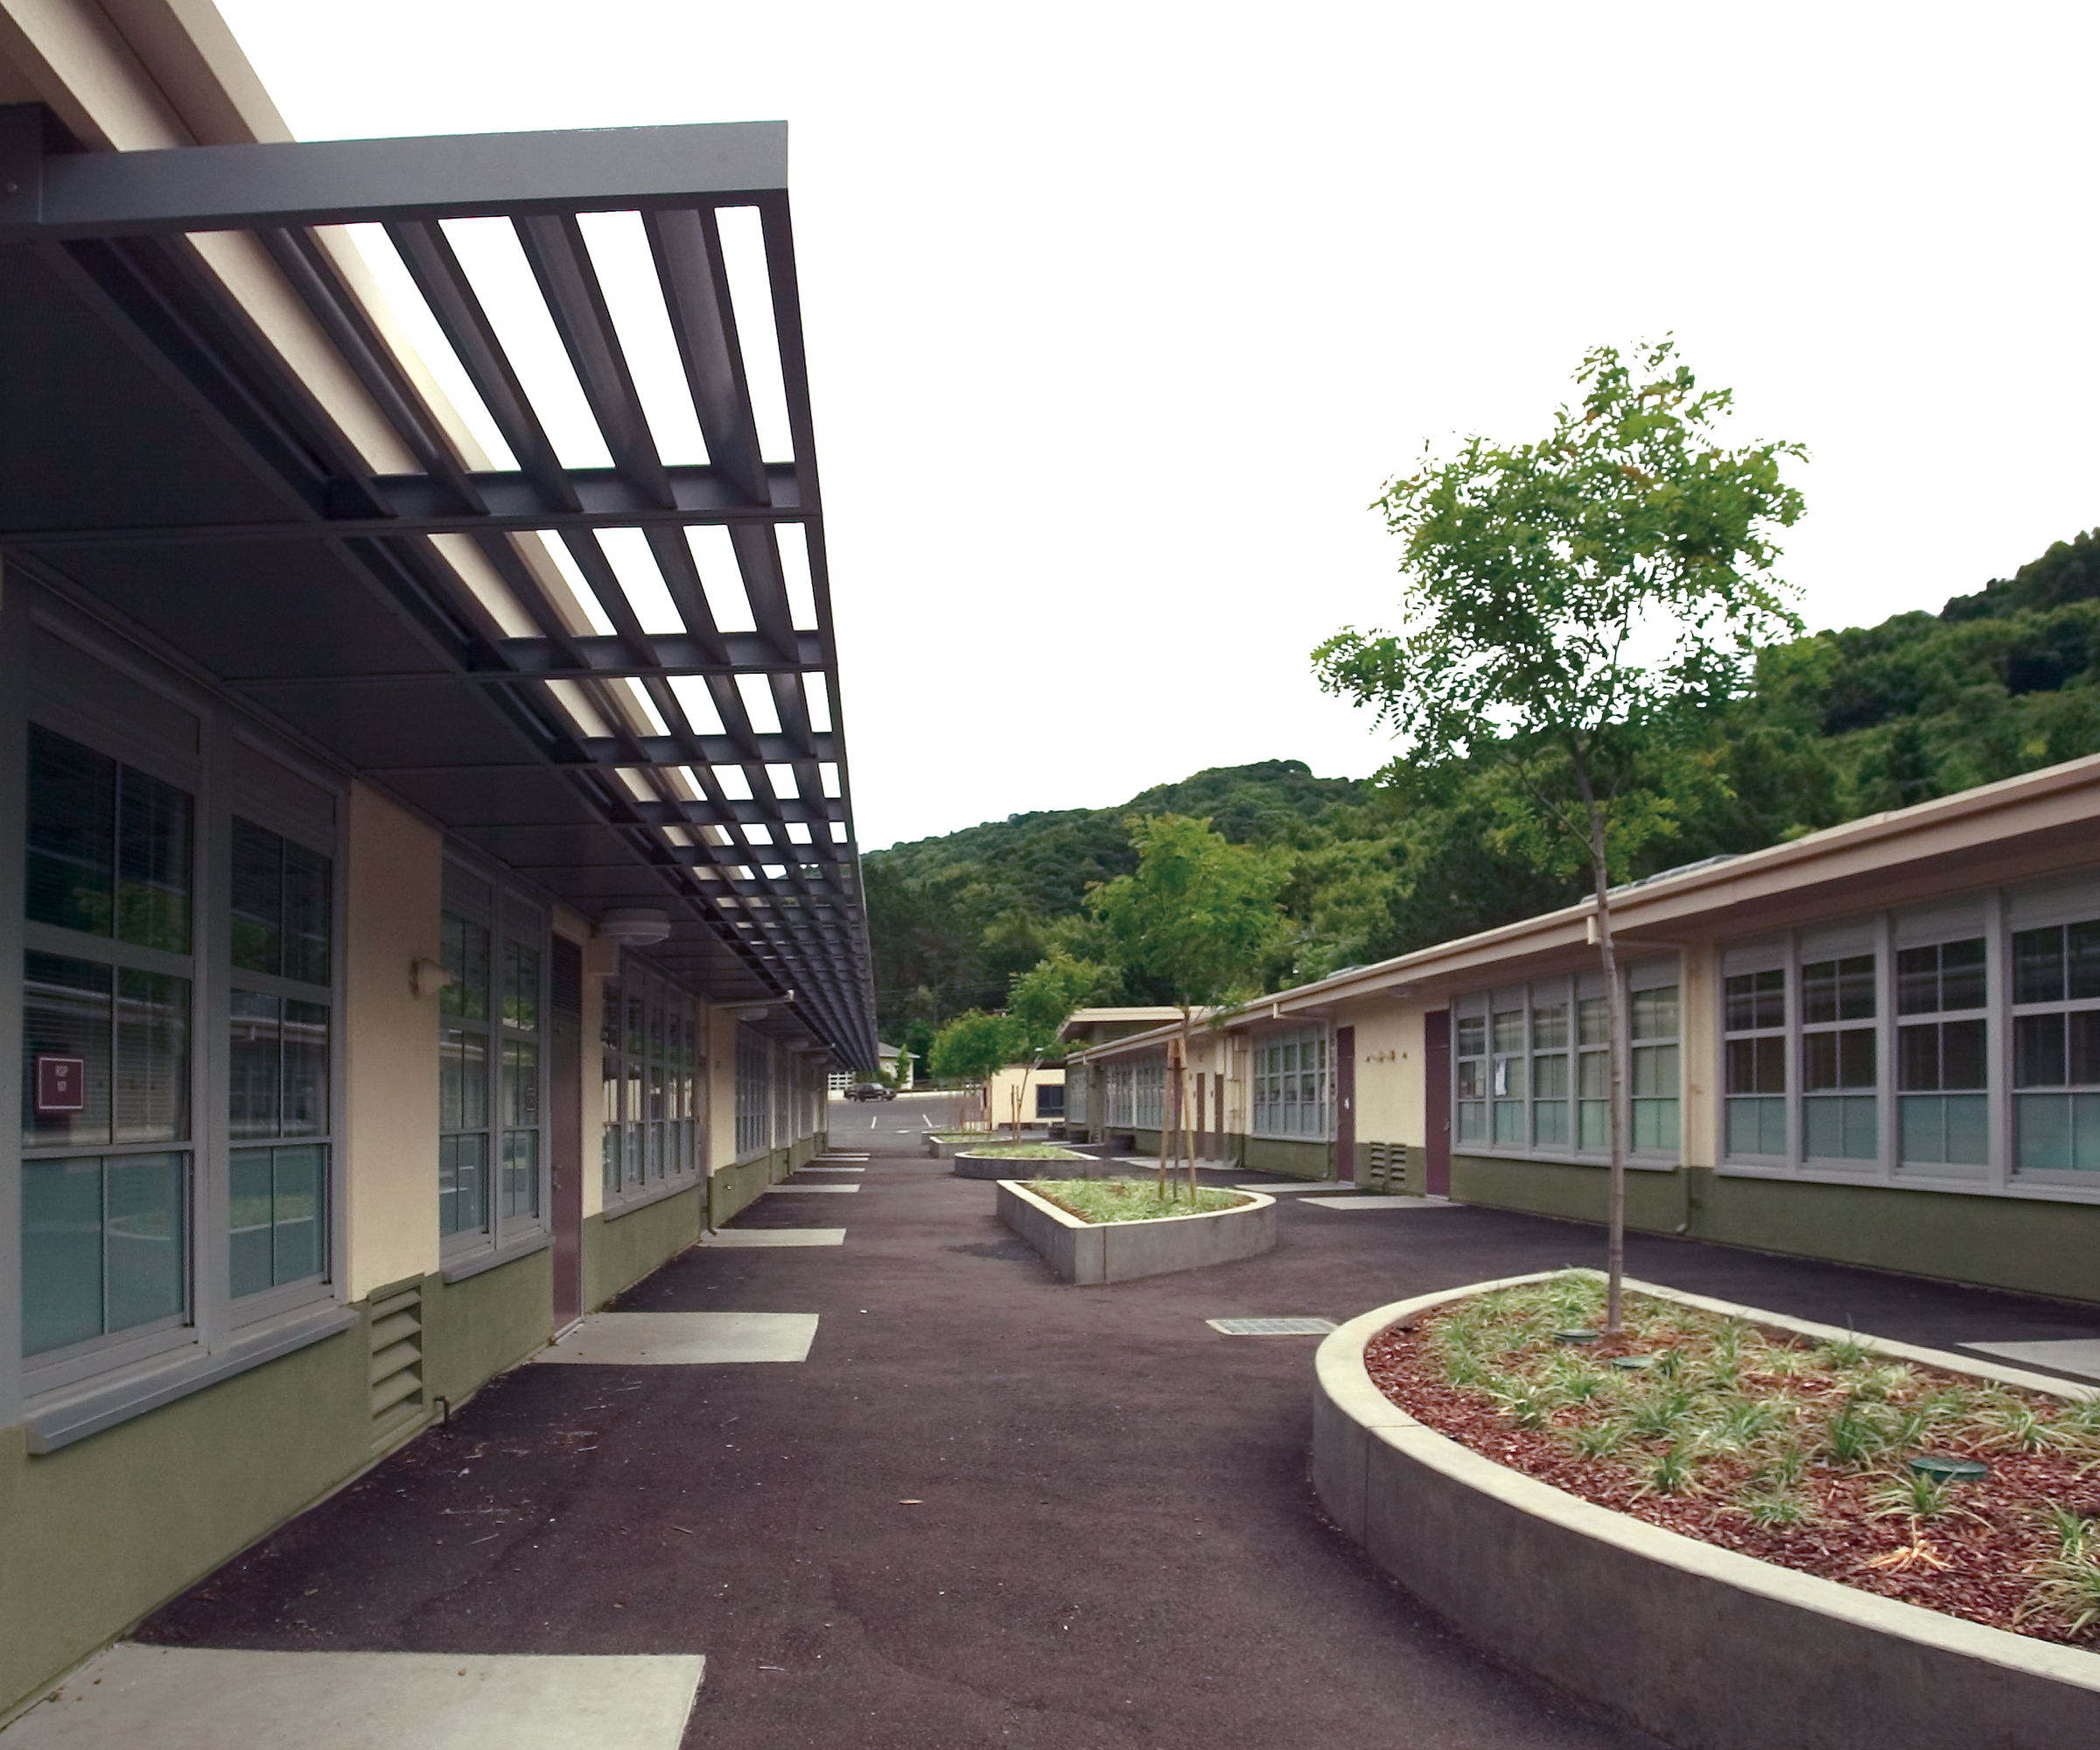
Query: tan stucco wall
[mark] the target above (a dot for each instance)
(1699, 1055)
(394, 892)
(1013, 1079)
(1389, 1070)
(721, 1089)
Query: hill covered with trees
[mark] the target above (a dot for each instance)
(1835, 725)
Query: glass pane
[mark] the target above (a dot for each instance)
(258, 915)
(2085, 1133)
(153, 863)
(1549, 1026)
(1968, 1130)
(1962, 1058)
(1962, 973)
(61, 1253)
(2082, 943)
(2043, 1125)
(1510, 1030)
(305, 1102)
(1509, 1077)
(1595, 1119)
(72, 834)
(152, 1093)
(1550, 1077)
(1549, 1121)
(1856, 1058)
(1654, 1013)
(1757, 1127)
(2037, 965)
(1655, 1069)
(256, 1048)
(1471, 1035)
(520, 1083)
(462, 1079)
(470, 1169)
(307, 914)
(521, 1172)
(2084, 1026)
(144, 1251)
(1918, 1064)
(1840, 1128)
(1472, 1078)
(300, 1189)
(1593, 1021)
(465, 946)
(1917, 980)
(520, 987)
(2037, 1059)
(65, 1013)
(1595, 1075)
(250, 1267)
(1472, 1122)
(1510, 1121)
(1757, 999)
(1655, 1126)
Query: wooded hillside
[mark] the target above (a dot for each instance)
(1837, 725)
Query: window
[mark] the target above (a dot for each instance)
(1118, 1096)
(1050, 1100)
(1840, 1111)
(491, 1085)
(754, 1092)
(1942, 1057)
(1532, 1070)
(1754, 1028)
(648, 1042)
(108, 977)
(279, 1022)
(1148, 1094)
(2056, 1047)
(1292, 1083)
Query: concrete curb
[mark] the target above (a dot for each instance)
(1120, 1251)
(1707, 1649)
(965, 1166)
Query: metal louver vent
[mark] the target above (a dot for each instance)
(395, 1334)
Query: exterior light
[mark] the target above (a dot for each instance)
(634, 926)
(428, 977)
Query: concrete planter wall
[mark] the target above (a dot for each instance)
(1118, 1251)
(968, 1166)
(1706, 1648)
(942, 1151)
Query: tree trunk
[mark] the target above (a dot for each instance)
(1188, 1137)
(1615, 1243)
(1170, 1119)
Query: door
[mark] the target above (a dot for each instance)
(1345, 1102)
(565, 1129)
(1196, 1124)
(1436, 1102)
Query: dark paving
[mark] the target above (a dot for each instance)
(1110, 1539)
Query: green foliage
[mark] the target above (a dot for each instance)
(974, 1045)
(1043, 998)
(1196, 913)
(1131, 1199)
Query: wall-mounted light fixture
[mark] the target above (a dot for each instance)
(428, 977)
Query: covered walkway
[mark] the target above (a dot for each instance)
(985, 1509)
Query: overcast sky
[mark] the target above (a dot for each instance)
(1120, 315)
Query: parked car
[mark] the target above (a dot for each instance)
(869, 1090)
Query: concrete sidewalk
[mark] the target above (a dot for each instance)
(987, 1509)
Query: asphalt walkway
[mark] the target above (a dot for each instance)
(987, 1508)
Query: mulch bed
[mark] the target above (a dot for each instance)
(1978, 1569)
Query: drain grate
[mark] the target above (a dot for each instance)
(1272, 1327)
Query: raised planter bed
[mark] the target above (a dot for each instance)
(1706, 1648)
(1081, 1251)
(966, 1164)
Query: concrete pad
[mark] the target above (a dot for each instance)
(778, 1236)
(2079, 1355)
(1329, 1185)
(1373, 1203)
(771, 1190)
(821, 1166)
(208, 1698)
(683, 1340)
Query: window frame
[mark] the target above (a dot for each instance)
(185, 735)
(1996, 914)
(1269, 1081)
(511, 916)
(754, 1070)
(677, 1159)
(1501, 1082)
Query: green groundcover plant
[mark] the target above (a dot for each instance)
(1131, 1199)
(1028, 1152)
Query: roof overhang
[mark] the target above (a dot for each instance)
(301, 520)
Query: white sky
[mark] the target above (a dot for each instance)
(1120, 315)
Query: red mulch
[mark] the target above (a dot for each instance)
(1977, 1569)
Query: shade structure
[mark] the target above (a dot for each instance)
(485, 465)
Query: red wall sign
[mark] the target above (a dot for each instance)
(61, 1086)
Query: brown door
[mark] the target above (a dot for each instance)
(1345, 1102)
(1196, 1122)
(1218, 1098)
(1436, 1102)
(565, 1130)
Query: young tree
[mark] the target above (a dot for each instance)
(1558, 595)
(1195, 919)
(1041, 1001)
(973, 1047)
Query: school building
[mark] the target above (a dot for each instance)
(1877, 1045)
(428, 897)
